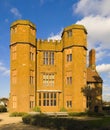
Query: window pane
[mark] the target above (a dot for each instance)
(51, 58)
(39, 95)
(47, 95)
(45, 58)
(39, 102)
(54, 102)
(44, 95)
(44, 103)
(67, 57)
(54, 95)
(70, 57)
(51, 95)
(51, 102)
(69, 33)
(67, 80)
(48, 103)
(70, 80)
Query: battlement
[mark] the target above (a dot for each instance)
(46, 41)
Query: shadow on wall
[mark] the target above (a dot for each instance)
(93, 97)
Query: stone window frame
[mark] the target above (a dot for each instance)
(69, 103)
(48, 79)
(48, 58)
(47, 99)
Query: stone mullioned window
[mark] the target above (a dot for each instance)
(48, 58)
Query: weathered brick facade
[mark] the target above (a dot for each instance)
(47, 74)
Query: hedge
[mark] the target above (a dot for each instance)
(3, 108)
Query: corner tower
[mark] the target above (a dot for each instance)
(74, 66)
(22, 66)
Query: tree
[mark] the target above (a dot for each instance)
(93, 94)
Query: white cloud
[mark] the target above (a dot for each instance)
(106, 97)
(106, 92)
(100, 55)
(106, 88)
(4, 71)
(16, 12)
(94, 7)
(103, 68)
(55, 36)
(96, 19)
(98, 30)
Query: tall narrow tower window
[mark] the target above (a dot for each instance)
(32, 54)
(69, 57)
(69, 33)
(13, 52)
(14, 30)
(48, 58)
(14, 100)
(31, 101)
(14, 74)
(32, 77)
(69, 80)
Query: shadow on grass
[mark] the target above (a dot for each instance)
(20, 126)
(67, 123)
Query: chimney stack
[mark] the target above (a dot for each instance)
(92, 63)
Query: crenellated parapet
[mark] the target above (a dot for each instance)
(46, 41)
(55, 45)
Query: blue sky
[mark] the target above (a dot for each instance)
(50, 17)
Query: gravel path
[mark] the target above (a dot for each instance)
(6, 119)
(15, 123)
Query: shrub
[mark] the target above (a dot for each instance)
(16, 114)
(50, 122)
(60, 123)
(27, 119)
(63, 109)
(41, 120)
(37, 109)
(3, 108)
(95, 114)
(77, 114)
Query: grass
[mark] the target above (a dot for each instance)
(17, 114)
(101, 123)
